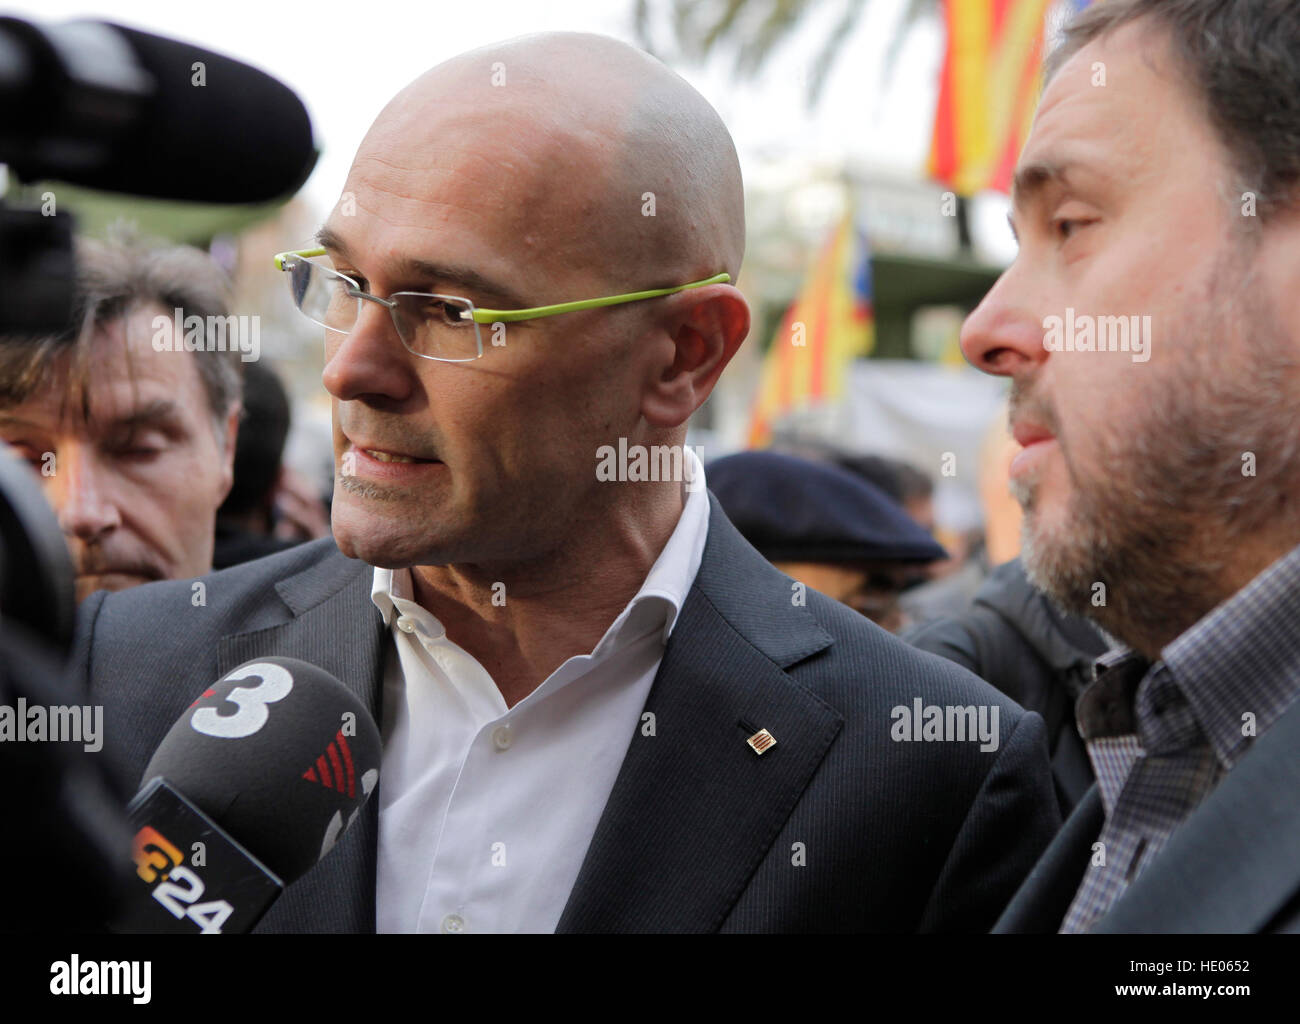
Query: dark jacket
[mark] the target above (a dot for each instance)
(836, 828)
(1232, 866)
(1015, 638)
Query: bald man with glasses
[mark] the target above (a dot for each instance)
(601, 709)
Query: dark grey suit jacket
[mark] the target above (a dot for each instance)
(1232, 866)
(699, 833)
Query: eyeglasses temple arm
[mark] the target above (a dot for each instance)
(489, 316)
(280, 257)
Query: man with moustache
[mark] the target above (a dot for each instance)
(133, 437)
(1162, 499)
(601, 709)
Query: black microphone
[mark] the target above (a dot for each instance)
(252, 786)
(115, 108)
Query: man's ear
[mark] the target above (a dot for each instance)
(231, 428)
(706, 327)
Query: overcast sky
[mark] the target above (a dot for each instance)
(351, 58)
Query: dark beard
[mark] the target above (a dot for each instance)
(1161, 526)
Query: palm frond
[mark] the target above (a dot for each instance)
(754, 29)
(831, 48)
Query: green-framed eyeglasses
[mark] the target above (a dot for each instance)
(432, 326)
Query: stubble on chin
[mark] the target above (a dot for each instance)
(1059, 561)
(355, 533)
(367, 489)
(1145, 542)
(1141, 577)
(393, 528)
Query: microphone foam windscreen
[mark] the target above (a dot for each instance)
(215, 130)
(280, 754)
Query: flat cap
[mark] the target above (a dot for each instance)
(798, 510)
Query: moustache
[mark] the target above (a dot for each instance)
(1024, 406)
(96, 562)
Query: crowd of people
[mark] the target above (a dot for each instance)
(635, 703)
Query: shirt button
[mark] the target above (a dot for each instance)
(502, 737)
(453, 923)
(405, 625)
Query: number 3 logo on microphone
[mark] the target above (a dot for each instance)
(252, 701)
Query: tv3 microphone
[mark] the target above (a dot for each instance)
(252, 786)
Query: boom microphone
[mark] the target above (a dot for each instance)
(115, 108)
(252, 786)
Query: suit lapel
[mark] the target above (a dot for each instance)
(336, 627)
(1235, 862)
(694, 808)
(1046, 894)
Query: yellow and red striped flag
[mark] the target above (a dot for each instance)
(988, 89)
(828, 325)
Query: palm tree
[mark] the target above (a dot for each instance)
(755, 28)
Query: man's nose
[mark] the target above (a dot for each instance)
(86, 503)
(1002, 336)
(368, 361)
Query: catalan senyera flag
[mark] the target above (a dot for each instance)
(828, 325)
(988, 90)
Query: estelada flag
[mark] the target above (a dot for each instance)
(988, 89)
(828, 325)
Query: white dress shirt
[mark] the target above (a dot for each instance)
(485, 814)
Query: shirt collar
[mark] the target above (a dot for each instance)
(1105, 708)
(656, 605)
(1243, 657)
(671, 577)
(392, 592)
(389, 586)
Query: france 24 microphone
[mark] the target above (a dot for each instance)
(251, 787)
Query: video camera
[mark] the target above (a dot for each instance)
(117, 109)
